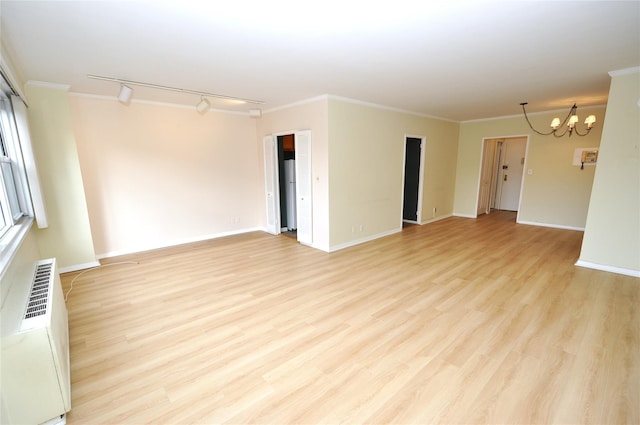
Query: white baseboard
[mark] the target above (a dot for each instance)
(136, 250)
(464, 215)
(432, 220)
(555, 226)
(77, 267)
(611, 269)
(362, 240)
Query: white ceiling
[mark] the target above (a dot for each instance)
(459, 60)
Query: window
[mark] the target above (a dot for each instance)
(14, 191)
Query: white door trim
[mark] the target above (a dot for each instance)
(271, 184)
(479, 179)
(304, 186)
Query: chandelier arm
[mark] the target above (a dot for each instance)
(571, 112)
(579, 134)
(529, 122)
(555, 133)
(565, 123)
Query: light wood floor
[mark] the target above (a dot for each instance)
(459, 321)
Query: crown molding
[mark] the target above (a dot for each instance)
(63, 87)
(551, 111)
(625, 71)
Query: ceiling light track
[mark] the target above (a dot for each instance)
(176, 89)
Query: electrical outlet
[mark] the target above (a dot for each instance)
(361, 227)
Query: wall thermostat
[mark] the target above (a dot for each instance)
(585, 156)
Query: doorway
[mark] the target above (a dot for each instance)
(287, 184)
(413, 171)
(501, 174)
(287, 160)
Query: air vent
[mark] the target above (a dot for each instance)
(39, 296)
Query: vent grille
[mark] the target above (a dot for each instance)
(39, 296)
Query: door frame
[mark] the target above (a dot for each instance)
(272, 198)
(488, 173)
(276, 195)
(423, 148)
(496, 165)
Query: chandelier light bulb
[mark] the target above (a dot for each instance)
(572, 121)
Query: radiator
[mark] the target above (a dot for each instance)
(36, 385)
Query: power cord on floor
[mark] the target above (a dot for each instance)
(94, 268)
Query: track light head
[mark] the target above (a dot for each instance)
(203, 106)
(125, 94)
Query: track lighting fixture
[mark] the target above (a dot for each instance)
(570, 121)
(203, 105)
(125, 94)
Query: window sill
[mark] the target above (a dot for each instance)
(11, 241)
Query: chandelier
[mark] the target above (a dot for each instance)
(570, 122)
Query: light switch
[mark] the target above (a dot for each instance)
(530, 171)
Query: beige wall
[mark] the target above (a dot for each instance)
(612, 234)
(557, 192)
(366, 148)
(159, 175)
(357, 160)
(312, 116)
(68, 237)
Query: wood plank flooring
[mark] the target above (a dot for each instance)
(460, 321)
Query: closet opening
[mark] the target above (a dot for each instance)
(287, 185)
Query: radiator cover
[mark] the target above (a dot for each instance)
(35, 376)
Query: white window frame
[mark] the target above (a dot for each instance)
(15, 199)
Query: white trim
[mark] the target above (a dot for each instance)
(7, 71)
(303, 145)
(511, 136)
(554, 226)
(520, 115)
(363, 240)
(388, 108)
(524, 168)
(11, 241)
(479, 177)
(64, 87)
(297, 103)
(441, 217)
(530, 223)
(77, 267)
(605, 268)
(139, 249)
(33, 178)
(464, 215)
(522, 177)
(270, 164)
(625, 71)
(356, 102)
